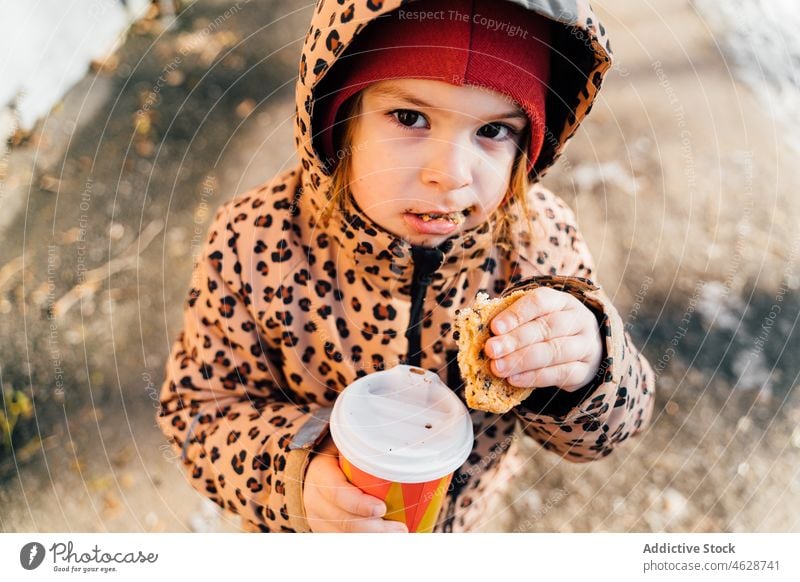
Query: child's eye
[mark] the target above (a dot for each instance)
(498, 131)
(407, 118)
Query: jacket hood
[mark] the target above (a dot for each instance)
(580, 58)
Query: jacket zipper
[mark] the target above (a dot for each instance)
(426, 262)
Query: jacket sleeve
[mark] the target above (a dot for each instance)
(224, 404)
(590, 422)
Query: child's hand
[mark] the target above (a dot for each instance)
(546, 338)
(333, 504)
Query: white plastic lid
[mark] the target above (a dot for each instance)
(402, 424)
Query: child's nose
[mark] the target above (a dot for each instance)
(448, 166)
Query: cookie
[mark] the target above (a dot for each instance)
(484, 390)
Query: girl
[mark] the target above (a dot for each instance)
(422, 128)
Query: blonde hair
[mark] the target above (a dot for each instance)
(514, 208)
(343, 142)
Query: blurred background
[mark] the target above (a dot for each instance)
(125, 124)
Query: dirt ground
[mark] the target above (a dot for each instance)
(681, 183)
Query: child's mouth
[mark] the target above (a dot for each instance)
(430, 223)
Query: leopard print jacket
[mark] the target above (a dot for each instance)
(285, 311)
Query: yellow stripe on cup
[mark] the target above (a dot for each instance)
(428, 521)
(395, 508)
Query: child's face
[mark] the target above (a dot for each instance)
(429, 147)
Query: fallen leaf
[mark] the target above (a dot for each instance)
(145, 148)
(100, 483)
(49, 183)
(245, 108)
(175, 78)
(127, 480)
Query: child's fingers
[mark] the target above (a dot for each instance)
(566, 376)
(540, 301)
(339, 492)
(336, 520)
(331, 517)
(351, 499)
(355, 524)
(545, 327)
(561, 350)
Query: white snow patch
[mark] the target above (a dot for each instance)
(761, 37)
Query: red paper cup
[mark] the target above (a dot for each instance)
(415, 504)
(401, 433)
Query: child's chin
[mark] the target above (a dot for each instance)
(429, 241)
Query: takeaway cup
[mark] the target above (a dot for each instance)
(401, 433)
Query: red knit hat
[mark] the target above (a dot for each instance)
(487, 43)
